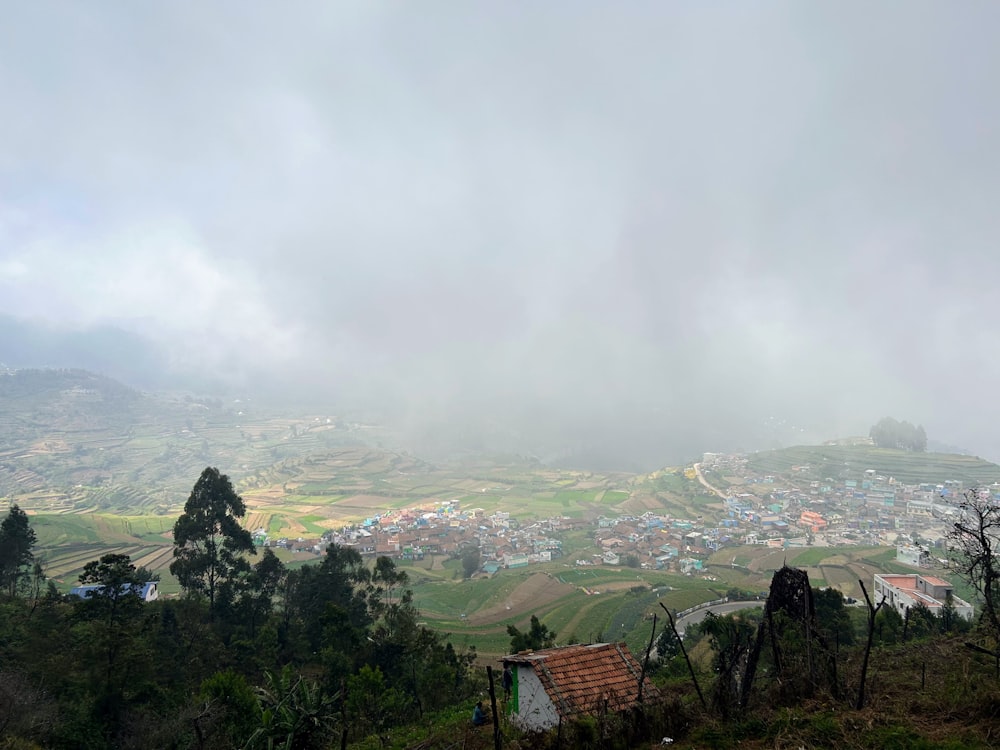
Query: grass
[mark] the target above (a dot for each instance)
(614, 497)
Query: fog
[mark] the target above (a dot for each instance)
(603, 233)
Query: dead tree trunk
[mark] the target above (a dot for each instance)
(680, 643)
(872, 611)
(493, 705)
(645, 662)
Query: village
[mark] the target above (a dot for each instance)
(789, 511)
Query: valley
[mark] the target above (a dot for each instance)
(102, 468)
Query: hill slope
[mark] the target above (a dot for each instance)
(842, 462)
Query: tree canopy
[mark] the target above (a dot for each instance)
(888, 433)
(16, 541)
(975, 537)
(209, 541)
(537, 636)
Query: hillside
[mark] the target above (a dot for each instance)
(841, 461)
(73, 441)
(103, 468)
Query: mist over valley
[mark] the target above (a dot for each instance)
(346, 350)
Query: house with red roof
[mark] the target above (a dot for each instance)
(570, 681)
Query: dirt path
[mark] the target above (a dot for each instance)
(706, 485)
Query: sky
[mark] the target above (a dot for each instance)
(613, 233)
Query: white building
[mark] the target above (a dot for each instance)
(566, 682)
(910, 554)
(905, 591)
(147, 592)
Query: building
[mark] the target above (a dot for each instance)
(904, 591)
(147, 592)
(812, 521)
(911, 554)
(562, 683)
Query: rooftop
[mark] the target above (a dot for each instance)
(581, 678)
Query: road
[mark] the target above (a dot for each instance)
(719, 609)
(706, 485)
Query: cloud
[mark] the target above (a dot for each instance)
(648, 225)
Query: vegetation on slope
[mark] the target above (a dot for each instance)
(838, 461)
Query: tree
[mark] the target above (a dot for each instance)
(668, 645)
(832, 615)
(919, 622)
(385, 577)
(975, 537)
(229, 710)
(116, 577)
(373, 704)
(538, 636)
(471, 559)
(731, 637)
(16, 540)
(252, 598)
(326, 610)
(208, 538)
(111, 610)
(888, 433)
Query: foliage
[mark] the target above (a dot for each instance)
(832, 616)
(731, 636)
(888, 433)
(208, 538)
(230, 713)
(16, 541)
(471, 560)
(373, 704)
(255, 594)
(537, 637)
(122, 672)
(295, 714)
(975, 538)
(336, 649)
(117, 582)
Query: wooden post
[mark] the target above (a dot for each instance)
(493, 705)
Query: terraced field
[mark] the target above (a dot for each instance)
(578, 603)
(839, 461)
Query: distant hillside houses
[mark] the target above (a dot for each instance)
(412, 534)
(863, 508)
(868, 507)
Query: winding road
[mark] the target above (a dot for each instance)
(718, 609)
(706, 485)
